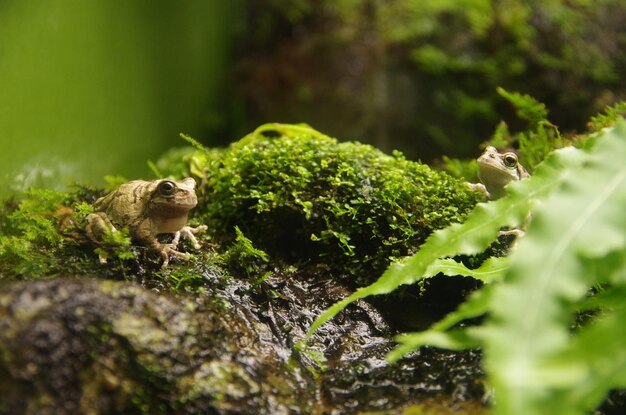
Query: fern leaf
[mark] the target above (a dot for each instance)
(440, 335)
(529, 331)
(491, 270)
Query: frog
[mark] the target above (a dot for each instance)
(147, 209)
(496, 170)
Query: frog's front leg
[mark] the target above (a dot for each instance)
(188, 232)
(479, 187)
(145, 233)
(98, 225)
(166, 251)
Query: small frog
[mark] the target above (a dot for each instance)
(496, 170)
(147, 209)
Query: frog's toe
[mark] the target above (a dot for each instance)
(189, 232)
(478, 187)
(168, 253)
(515, 232)
(199, 229)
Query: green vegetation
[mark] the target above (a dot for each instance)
(433, 67)
(242, 258)
(533, 143)
(609, 117)
(43, 236)
(549, 312)
(293, 192)
(537, 360)
(303, 196)
(30, 233)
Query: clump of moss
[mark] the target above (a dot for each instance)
(41, 235)
(242, 258)
(31, 232)
(303, 196)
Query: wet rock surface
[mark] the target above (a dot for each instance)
(88, 345)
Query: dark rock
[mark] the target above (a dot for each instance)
(94, 346)
(89, 346)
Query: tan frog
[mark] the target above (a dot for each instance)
(147, 209)
(496, 170)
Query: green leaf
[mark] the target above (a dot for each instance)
(529, 333)
(491, 270)
(476, 305)
(439, 335)
(599, 356)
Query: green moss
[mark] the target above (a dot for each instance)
(42, 235)
(31, 231)
(303, 196)
(609, 117)
(116, 244)
(284, 192)
(242, 258)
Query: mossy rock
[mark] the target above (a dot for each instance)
(86, 346)
(305, 197)
(293, 192)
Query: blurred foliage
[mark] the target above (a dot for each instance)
(422, 75)
(94, 87)
(609, 117)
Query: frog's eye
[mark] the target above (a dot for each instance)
(510, 159)
(166, 188)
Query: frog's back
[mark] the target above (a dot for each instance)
(127, 204)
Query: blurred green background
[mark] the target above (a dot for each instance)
(89, 88)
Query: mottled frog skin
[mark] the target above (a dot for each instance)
(147, 209)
